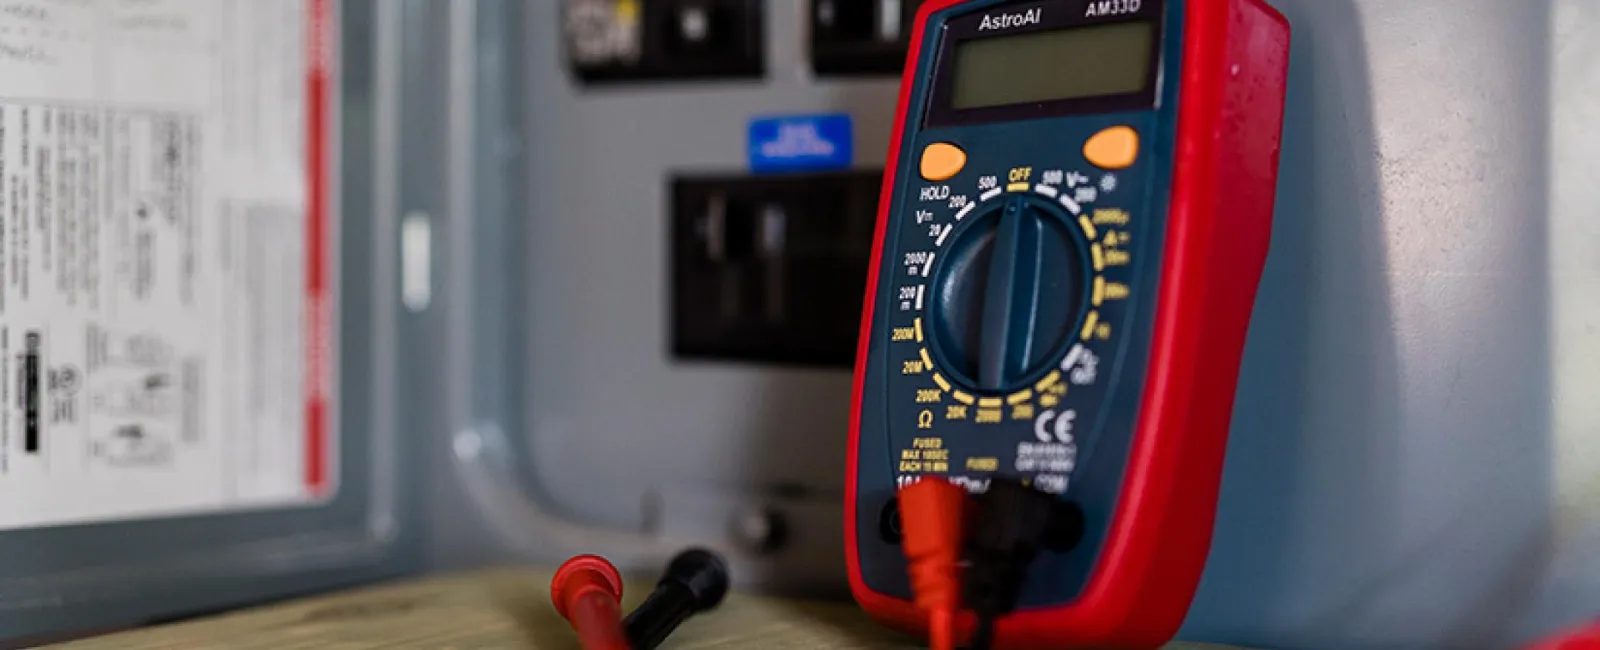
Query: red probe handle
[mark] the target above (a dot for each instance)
(587, 591)
(597, 619)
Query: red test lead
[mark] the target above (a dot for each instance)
(587, 591)
(933, 518)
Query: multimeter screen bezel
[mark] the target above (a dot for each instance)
(1054, 15)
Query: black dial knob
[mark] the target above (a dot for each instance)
(1008, 293)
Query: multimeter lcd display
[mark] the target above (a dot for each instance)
(1103, 60)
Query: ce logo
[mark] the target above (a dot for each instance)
(1054, 427)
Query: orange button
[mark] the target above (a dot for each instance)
(942, 161)
(1113, 148)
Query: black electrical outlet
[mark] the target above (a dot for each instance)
(771, 269)
(610, 41)
(860, 37)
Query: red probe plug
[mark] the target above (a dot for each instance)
(933, 514)
(587, 591)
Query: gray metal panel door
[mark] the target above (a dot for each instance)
(74, 579)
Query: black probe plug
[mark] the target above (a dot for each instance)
(1013, 523)
(695, 581)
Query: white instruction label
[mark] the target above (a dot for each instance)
(164, 258)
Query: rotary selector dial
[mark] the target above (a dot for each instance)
(1004, 320)
(1008, 294)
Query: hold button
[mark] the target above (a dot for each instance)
(941, 161)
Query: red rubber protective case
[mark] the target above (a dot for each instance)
(1231, 95)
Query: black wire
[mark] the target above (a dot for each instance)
(983, 637)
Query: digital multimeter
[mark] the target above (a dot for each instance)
(1072, 231)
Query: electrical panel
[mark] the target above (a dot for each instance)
(509, 389)
(1354, 449)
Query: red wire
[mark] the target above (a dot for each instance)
(941, 629)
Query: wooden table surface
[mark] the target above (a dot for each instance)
(504, 608)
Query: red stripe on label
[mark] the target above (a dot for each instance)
(317, 322)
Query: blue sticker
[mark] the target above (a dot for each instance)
(801, 142)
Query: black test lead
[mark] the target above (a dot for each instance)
(695, 581)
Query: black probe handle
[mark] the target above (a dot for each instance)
(667, 607)
(695, 581)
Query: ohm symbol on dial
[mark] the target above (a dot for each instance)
(1055, 427)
